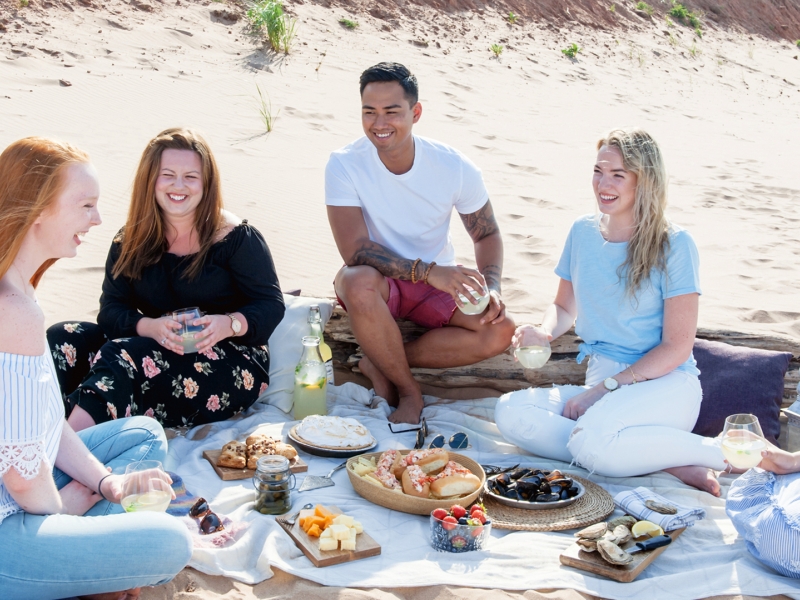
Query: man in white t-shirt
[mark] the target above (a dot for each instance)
(390, 196)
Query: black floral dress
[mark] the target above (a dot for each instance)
(133, 375)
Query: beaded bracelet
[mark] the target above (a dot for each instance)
(414, 271)
(428, 272)
(99, 483)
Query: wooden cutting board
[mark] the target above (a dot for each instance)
(365, 545)
(296, 465)
(575, 557)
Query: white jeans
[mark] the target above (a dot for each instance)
(634, 430)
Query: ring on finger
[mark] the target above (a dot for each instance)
(164, 341)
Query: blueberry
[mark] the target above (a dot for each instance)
(487, 522)
(462, 521)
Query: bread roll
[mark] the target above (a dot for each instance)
(415, 482)
(458, 484)
(429, 461)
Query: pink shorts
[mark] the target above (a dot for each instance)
(418, 302)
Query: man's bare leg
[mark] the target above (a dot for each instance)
(365, 293)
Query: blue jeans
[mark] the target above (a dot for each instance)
(106, 550)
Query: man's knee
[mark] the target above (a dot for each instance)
(495, 339)
(359, 286)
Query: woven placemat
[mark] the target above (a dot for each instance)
(595, 505)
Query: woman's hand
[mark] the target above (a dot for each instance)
(529, 335)
(76, 499)
(578, 405)
(161, 330)
(215, 329)
(111, 487)
(779, 461)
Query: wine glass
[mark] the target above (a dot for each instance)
(742, 441)
(146, 487)
(533, 357)
(185, 316)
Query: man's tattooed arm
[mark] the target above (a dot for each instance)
(386, 262)
(485, 233)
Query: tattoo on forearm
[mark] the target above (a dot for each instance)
(492, 274)
(482, 223)
(386, 262)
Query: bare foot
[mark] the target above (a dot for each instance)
(700, 477)
(132, 594)
(383, 387)
(409, 410)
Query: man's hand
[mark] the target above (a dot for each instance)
(453, 281)
(496, 311)
(578, 405)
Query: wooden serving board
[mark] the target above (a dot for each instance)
(296, 465)
(575, 557)
(365, 545)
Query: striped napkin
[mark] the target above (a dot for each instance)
(632, 502)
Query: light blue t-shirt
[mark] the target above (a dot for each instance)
(612, 324)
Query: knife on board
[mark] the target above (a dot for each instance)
(651, 544)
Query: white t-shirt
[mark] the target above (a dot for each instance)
(408, 213)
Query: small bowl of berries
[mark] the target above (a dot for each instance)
(459, 529)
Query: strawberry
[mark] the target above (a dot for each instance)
(479, 515)
(458, 511)
(439, 513)
(476, 531)
(475, 507)
(449, 523)
(458, 542)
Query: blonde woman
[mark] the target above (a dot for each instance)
(630, 283)
(178, 249)
(61, 531)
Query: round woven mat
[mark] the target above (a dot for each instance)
(595, 505)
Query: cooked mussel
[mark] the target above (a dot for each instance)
(503, 479)
(573, 491)
(564, 494)
(554, 475)
(544, 488)
(561, 484)
(527, 490)
(512, 493)
(519, 474)
(547, 498)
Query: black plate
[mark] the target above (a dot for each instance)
(329, 452)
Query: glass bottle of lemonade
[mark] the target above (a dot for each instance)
(315, 328)
(310, 381)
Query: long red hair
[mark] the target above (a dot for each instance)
(31, 178)
(144, 237)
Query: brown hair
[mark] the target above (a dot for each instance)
(649, 245)
(31, 178)
(143, 239)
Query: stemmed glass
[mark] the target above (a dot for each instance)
(742, 441)
(146, 487)
(474, 309)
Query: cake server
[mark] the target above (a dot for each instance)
(314, 482)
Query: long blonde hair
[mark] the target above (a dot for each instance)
(649, 245)
(144, 239)
(31, 178)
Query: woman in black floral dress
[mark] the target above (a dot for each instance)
(178, 249)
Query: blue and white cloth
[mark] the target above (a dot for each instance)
(632, 502)
(765, 509)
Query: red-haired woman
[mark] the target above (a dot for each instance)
(178, 249)
(61, 533)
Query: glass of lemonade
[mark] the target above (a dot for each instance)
(146, 487)
(185, 316)
(533, 357)
(742, 441)
(474, 309)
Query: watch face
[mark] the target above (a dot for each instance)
(611, 384)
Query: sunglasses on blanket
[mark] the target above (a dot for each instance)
(210, 522)
(457, 441)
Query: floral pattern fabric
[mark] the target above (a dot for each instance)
(137, 376)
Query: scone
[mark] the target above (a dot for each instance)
(257, 437)
(286, 450)
(259, 449)
(233, 455)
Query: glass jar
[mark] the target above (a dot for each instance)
(273, 482)
(310, 382)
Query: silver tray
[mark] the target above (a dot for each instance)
(525, 505)
(329, 452)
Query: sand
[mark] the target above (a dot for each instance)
(723, 107)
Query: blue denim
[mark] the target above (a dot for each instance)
(45, 557)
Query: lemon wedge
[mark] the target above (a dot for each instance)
(646, 529)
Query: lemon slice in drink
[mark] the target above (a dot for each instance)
(646, 529)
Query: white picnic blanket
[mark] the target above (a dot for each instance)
(707, 560)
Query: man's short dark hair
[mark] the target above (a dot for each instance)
(391, 71)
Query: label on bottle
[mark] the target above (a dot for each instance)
(329, 371)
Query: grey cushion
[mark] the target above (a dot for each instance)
(737, 379)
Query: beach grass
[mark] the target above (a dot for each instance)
(497, 49)
(348, 23)
(265, 109)
(684, 15)
(571, 51)
(24, 3)
(267, 17)
(612, 8)
(645, 7)
(512, 18)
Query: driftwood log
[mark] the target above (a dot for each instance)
(502, 374)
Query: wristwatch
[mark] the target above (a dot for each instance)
(236, 324)
(610, 384)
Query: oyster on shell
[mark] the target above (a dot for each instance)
(660, 507)
(619, 535)
(587, 545)
(627, 520)
(593, 532)
(612, 553)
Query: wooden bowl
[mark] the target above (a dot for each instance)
(411, 504)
